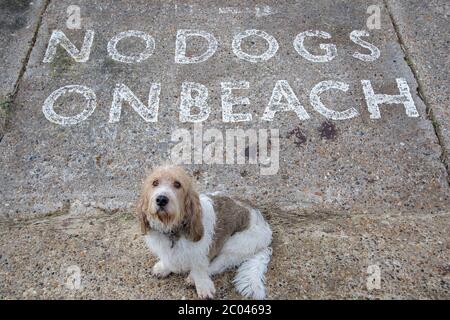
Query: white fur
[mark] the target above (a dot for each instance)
(172, 206)
(248, 249)
(250, 280)
(185, 254)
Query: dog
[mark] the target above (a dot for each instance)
(202, 234)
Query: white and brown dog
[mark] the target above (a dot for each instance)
(202, 235)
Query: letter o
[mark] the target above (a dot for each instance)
(148, 51)
(49, 103)
(270, 52)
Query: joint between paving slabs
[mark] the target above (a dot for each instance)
(430, 115)
(12, 95)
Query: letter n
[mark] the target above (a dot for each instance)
(123, 93)
(59, 38)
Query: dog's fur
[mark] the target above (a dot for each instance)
(203, 235)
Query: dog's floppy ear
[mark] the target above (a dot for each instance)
(193, 216)
(141, 207)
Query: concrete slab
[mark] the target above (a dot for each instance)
(313, 259)
(359, 165)
(424, 27)
(18, 22)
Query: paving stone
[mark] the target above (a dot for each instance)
(18, 22)
(359, 165)
(351, 198)
(323, 258)
(424, 26)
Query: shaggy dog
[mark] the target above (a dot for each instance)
(202, 235)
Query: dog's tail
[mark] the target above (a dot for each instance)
(250, 279)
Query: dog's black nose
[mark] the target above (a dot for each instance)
(162, 201)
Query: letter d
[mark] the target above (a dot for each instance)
(180, 46)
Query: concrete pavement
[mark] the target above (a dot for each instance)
(360, 114)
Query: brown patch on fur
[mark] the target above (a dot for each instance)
(140, 214)
(163, 217)
(193, 216)
(231, 217)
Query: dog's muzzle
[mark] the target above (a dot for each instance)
(162, 201)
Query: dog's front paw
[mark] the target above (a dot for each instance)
(205, 289)
(159, 270)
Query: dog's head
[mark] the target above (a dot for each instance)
(168, 202)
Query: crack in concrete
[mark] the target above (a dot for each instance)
(421, 94)
(25, 61)
(127, 215)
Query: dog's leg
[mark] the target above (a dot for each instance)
(160, 270)
(203, 283)
(223, 262)
(227, 261)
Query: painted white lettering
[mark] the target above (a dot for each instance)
(131, 58)
(52, 116)
(228, 101)
(375, 53)
(374, 100)
(269, 53)
(282, 90)
(123, 94)
(59, 38)
(320, 107)
(180, 46)
(331, 50)
(188, 101)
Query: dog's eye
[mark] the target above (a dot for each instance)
(155, 183)
(177, 185)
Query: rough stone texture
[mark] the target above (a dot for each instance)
(349, 194)
(313, 258)
(18, 21)
(424, 27)
(358, 165)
